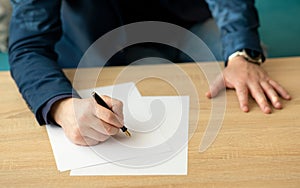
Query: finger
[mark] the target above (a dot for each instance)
(282, 92)
(216, 87)
(259, 96)
(116, 106)
(86, 130)
(104, 128)
(95, 135)
(272, 95)
(86, 122)
(85, 141)
(242, 94)
(107, 116)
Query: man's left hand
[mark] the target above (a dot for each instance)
(248, 78)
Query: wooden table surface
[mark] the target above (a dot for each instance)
(251, 150)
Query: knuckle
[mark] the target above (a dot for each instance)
(268, 87)
(253, 79)
(275, 98)
(110, 117)
(242, 90)
(111, 130)
(267, 79)
(240, 84)
(97, 111)
(261, 100)
(119, 103)
(81, 118)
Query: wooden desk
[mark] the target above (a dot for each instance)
(251, 150)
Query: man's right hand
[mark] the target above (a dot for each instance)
(87, 123)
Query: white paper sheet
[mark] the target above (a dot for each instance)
(175, 166)
(159, 127)
(173, 163)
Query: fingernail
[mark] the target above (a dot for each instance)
(278, 105)
(245, 108)
(267, 110)
(208, 95)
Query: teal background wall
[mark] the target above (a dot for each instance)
(280, 26)
(279, 31)
(3, 62)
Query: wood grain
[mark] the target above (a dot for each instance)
(251, 150)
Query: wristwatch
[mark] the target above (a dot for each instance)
(251, 56)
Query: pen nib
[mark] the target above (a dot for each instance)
(127, 133)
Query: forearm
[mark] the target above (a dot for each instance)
(238, 22)
(35, 28)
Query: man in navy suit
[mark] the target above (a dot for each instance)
(48, 35)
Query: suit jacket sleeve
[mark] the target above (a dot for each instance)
(238, 23)
(35, 28)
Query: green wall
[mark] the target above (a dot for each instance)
(3, 62)
(280, 26)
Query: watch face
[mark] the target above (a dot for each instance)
(253, 54)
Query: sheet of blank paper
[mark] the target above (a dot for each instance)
(158, 145)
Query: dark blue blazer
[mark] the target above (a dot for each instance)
(48, 35)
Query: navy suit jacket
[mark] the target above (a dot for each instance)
(43, 32)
